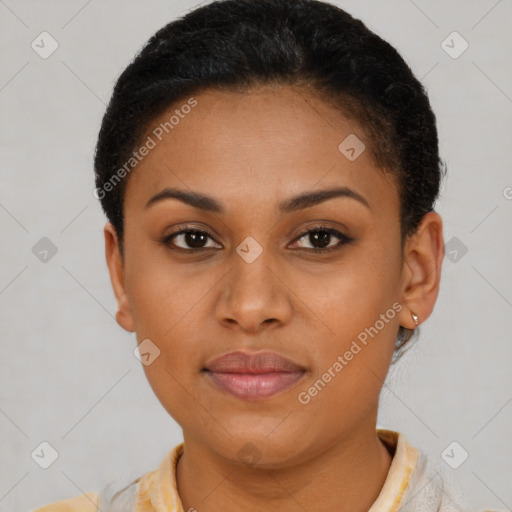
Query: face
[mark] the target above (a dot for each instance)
(317, 281)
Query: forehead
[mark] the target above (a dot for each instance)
(268, 143)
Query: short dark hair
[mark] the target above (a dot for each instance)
(240, 44)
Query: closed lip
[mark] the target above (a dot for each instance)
(255, 363)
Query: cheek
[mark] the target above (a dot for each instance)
(351, 364)
(166, 307)
(357, 307)
(162, 294)
(168, 313)
(176, 392)
(353, 295)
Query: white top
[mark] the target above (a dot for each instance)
(414, 483)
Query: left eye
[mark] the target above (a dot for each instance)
(321, 237)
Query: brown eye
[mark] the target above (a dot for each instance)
(320, 239)
(189, 239)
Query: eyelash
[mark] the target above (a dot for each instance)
(344, 239)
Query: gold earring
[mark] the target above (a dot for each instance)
(415, 318)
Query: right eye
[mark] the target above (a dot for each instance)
(192, 240)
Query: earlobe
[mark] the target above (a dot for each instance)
(117, 278)
(424, 253)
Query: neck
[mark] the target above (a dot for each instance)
(347, 475)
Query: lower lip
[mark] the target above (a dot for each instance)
(251, 386)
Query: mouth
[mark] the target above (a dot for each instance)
(253, 376)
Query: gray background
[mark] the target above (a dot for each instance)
(68, 374)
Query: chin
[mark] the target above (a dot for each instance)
(254, 449)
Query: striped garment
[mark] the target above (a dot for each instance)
(413, 484)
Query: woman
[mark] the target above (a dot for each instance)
(269, 172)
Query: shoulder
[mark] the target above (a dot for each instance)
(433, 488)
(118, 495)
(128, 493)
(87, 502)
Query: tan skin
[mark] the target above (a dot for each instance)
(251, 151)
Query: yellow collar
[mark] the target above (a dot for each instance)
(158, 492)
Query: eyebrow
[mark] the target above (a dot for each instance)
(306, 200)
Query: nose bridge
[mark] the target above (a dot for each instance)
(252, 293)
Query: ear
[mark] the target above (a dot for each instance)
(421, 274)
(116, 269)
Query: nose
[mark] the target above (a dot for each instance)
(254, 296)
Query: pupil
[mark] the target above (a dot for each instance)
(320, 237)
(194, 239)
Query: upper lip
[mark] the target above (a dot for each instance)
(259, 362)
